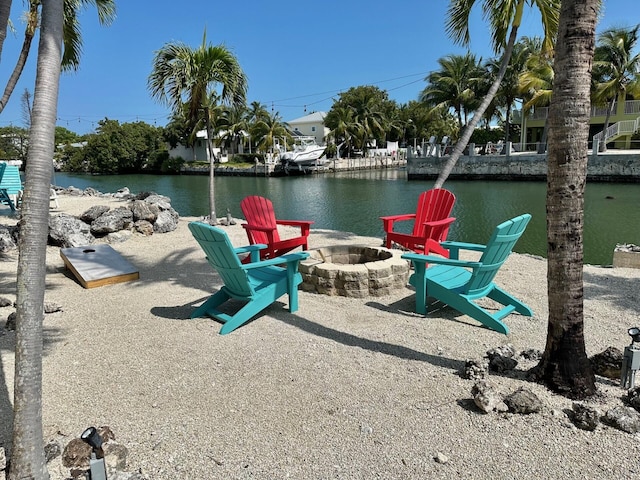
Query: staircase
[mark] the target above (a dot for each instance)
(617, 130)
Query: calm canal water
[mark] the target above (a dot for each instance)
(354, 201)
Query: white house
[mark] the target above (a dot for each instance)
(311, 125)
(198, 153)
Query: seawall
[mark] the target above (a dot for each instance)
(611, 166)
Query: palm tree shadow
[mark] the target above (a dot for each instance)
(51, 336)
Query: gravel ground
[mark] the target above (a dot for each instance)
(344, 388)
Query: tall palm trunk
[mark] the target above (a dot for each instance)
(602, 147)
(564, 366)
(27, 457)
(213, 220)
(5, 11)
(32, 24)
(486, 101)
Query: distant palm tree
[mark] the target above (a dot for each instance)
(616, 69)
(27, 455)
(184, 76)
(71, 36)
(509, 90)
(342, 127)
(270, 130)
(504, 17)
(536, 84)
(236, 126)
(453, 85)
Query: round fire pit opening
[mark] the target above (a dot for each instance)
(354, 271)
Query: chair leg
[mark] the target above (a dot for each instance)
(419, 281)
(211, 303)
(246, 313)
(478, 313)
(504, 298)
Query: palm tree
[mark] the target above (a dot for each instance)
(453, 86)
(27, 458)
(72, 38)
(183, 76)
(268, 130)
(564, 366)
(502, 15)
(536, 84)
(616, 69)
(5, 11)
(255, 112)
(342, 127)
(509, 90)
(236, 126)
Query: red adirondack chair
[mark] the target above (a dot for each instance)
(431, 223)
(262, 227)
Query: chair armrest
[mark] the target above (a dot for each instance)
(248, 226)
(439, 223)
(476, 247)
(295, 223)
(390, 219)
(418, 258)
(406, 216)
(304, 225)
(290, 257)
(252, 250)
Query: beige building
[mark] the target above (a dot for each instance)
(311, 125)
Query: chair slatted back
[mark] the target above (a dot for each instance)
(259, 211)
(10, 179)
(497, 250)
(434, 204)
(222, 257)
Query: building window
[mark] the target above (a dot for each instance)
(313, 129)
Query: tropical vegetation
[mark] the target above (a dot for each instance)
(195, 82)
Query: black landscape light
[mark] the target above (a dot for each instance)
(634, 333)
(97, 467)
(630, 359)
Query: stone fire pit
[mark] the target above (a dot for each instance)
(354, 271)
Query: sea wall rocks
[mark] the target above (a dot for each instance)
(145, 214)
(610, 167)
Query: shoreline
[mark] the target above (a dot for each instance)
(343, 388)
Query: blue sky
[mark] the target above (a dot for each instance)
(297, 55)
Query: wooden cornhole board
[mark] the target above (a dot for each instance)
(98, 265)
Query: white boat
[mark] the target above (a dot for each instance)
(306, 153)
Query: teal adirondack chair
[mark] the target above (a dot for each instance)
(10, 184)
(258, 283)
(458, 283)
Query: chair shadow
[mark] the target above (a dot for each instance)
(350, 340)
(406, 307)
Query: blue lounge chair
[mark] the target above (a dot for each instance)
(10, 184)
(258, 283)
(458, 283)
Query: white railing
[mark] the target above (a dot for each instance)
(617, 129)
(632, 107)
(601, 111)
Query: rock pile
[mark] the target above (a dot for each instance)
(146, 213)
(487, 397)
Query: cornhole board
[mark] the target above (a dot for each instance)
(98, 265)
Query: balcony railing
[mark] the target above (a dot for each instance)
(631, 107)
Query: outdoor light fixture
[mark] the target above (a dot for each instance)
(97, 467)
(630, 360)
